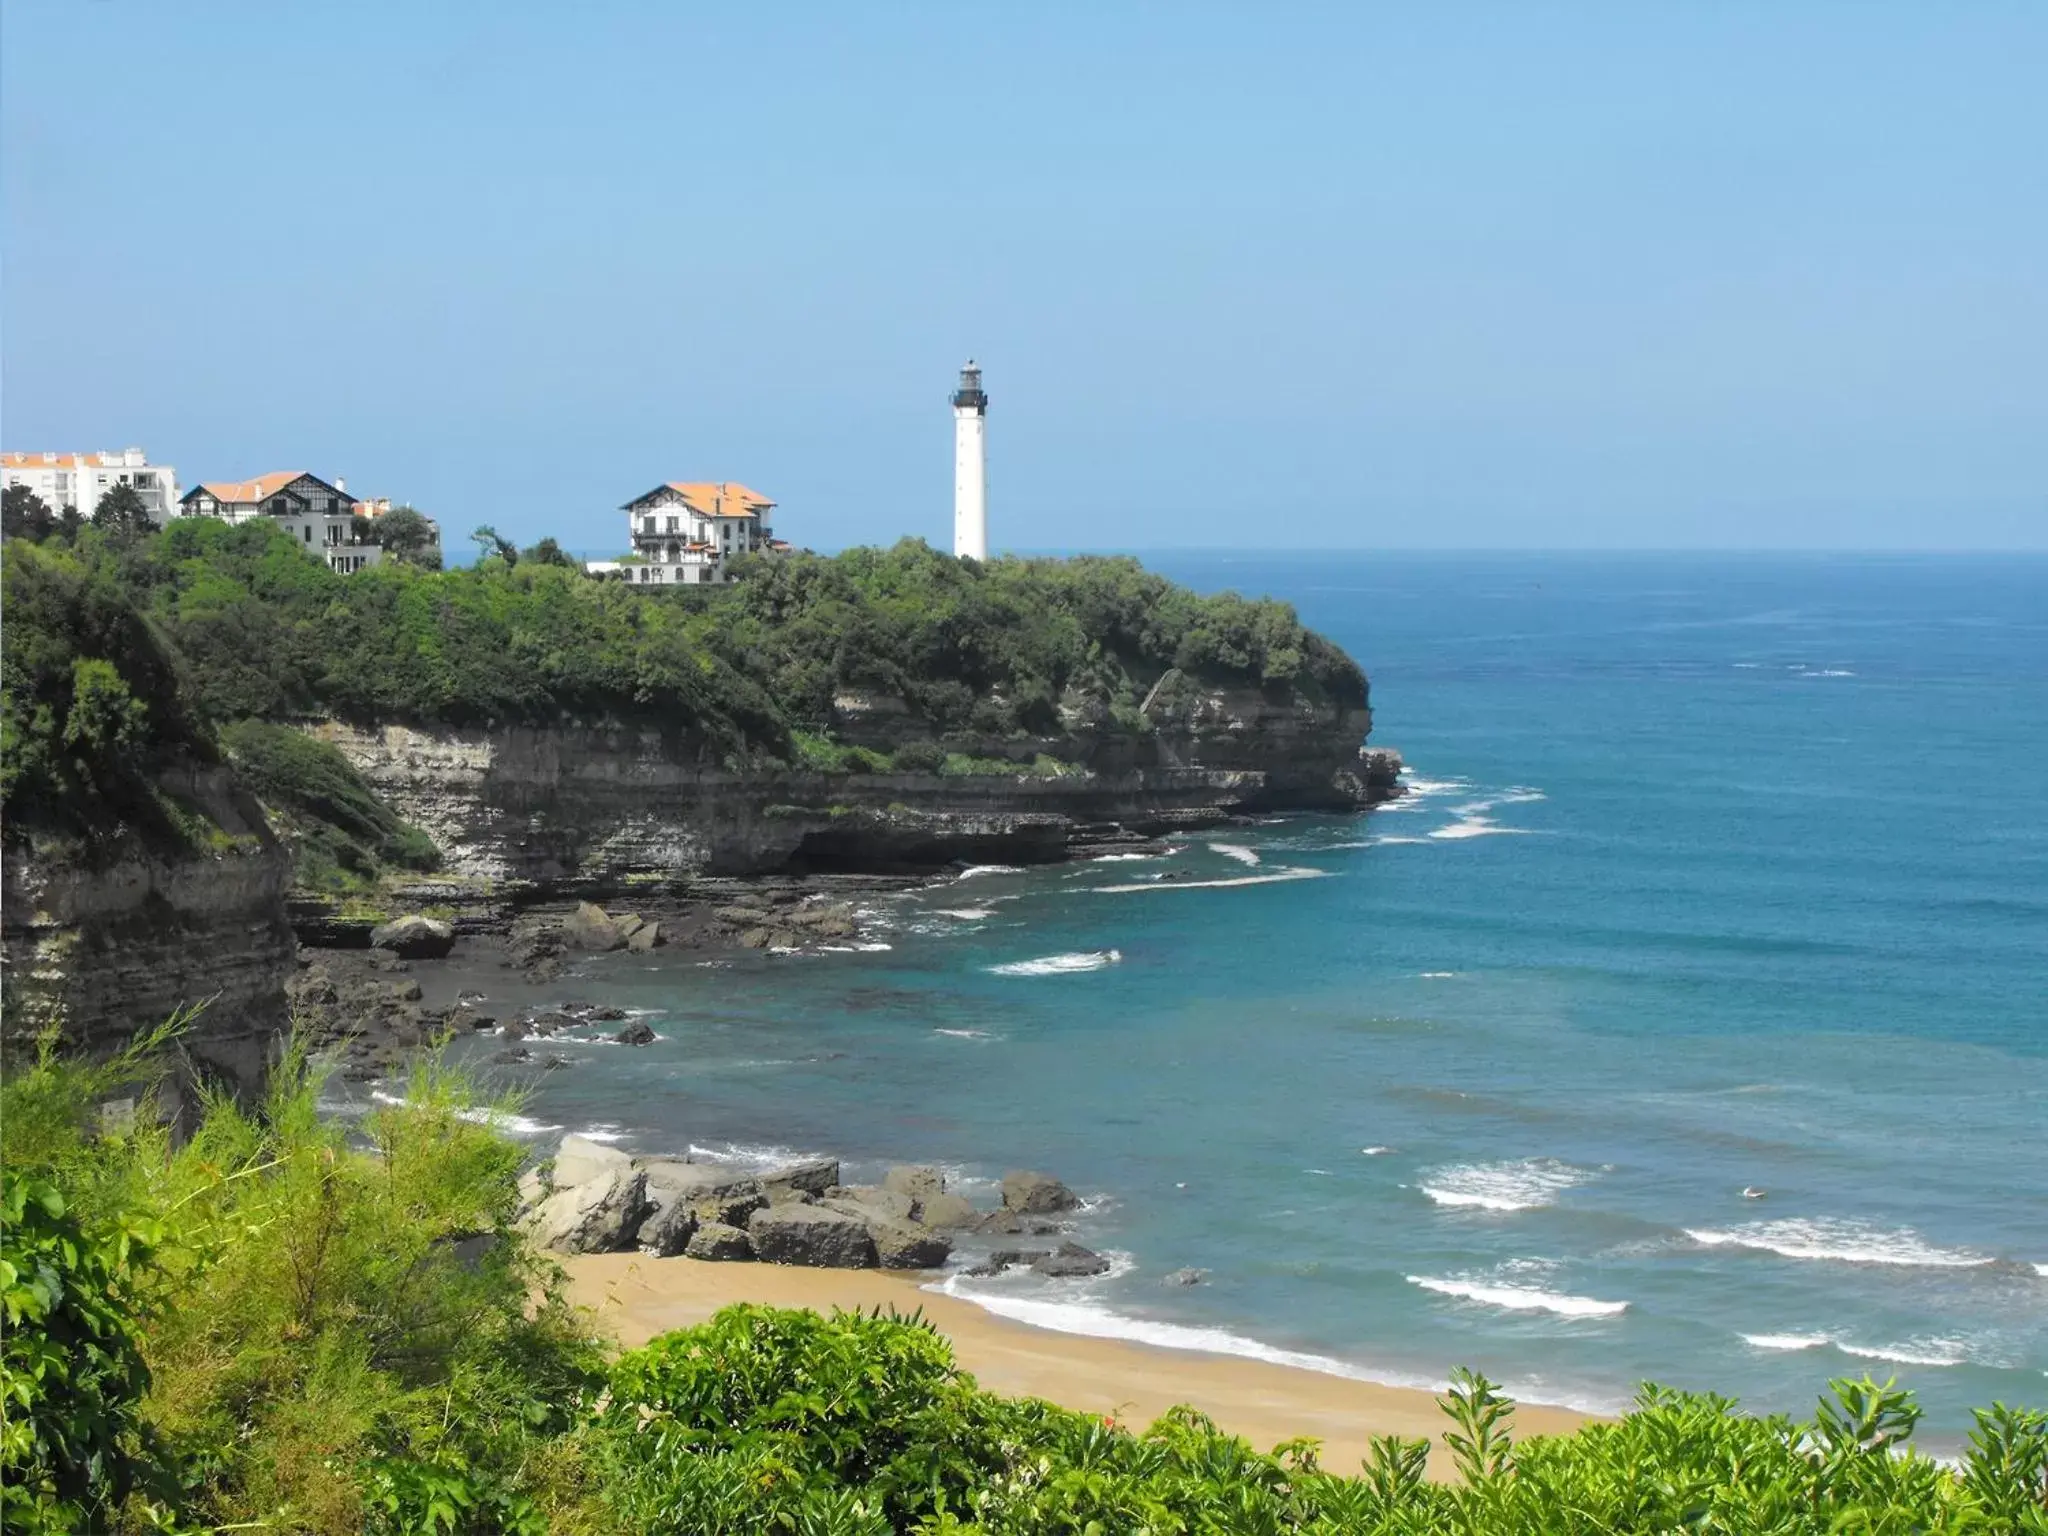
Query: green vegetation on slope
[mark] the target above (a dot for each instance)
(283, 1324)
(344, 836)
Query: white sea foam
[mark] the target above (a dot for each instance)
(873, 947)
(603, 1133)
(1436, 975)
(497, 1119)
(1060, 965)
(1386, 842)
(1476, 826)
(1419, 786)
(967, 914)
(1912, 1352)
(1091, 1320)
(1374, 1151)
(988, 869)
(1292, 872)
(965, 1034)
(745, 1154)
(1520, 1298)
(1236, 851)
(1124, 858)
(1845, 1242)
(1515, 1186)
(1784, 1341)
(2041, 1270)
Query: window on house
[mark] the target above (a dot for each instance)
(673, 523)
(647, 525)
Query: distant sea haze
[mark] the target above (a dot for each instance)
(1717, 874)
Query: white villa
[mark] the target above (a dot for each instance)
(685, 532)
(79, 480)
(322, 516)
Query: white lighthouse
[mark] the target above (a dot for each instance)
(970, 466)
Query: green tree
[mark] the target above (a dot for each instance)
(406, 535)
(491, 543)
(548, 552)
(25, 515)
(121, 513)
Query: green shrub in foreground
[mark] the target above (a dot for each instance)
(765, 1420)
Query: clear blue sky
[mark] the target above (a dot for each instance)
(1512, 274)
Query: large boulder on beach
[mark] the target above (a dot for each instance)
(704, 1192)
(918, 1181)
(871, 1203)
(644, 938)
(905, 1245)
(800, 1181)
(579, 1159)
(1071, 1261)
(591, 927)
(414, 937)
(811, 1235)
(947, 1212)
(715, 1241)
(601, 1214)
(1036, 1194)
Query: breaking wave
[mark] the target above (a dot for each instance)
(1844, 1242)
(1236, 851)
(1060, 965)
(1292, 872)
(1521, 1298)
(1517, 1186)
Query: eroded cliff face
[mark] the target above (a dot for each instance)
(111, 946)
(587, 808)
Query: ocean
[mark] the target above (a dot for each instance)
(1716, 874)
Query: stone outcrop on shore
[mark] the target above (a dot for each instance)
(593, 1198)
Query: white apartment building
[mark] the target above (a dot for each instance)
(79, 480)
(319, 515)
(684, 533)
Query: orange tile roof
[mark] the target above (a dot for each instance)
(726, 498)
(238, 491)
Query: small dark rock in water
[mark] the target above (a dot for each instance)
(512, 1058)
(1071, 1261)
(1187, 1277)
(553, 1063)
(1003, 1258)
(607, 1014)
(515, 1029)
(547, 1023)
(639, 1032)
(469, 999)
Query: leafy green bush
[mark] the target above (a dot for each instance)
(300, 1323)
(344, 834)
(762, 1420)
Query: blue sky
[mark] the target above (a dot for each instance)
(1492, 275)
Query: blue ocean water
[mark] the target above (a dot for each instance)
(1718, 873)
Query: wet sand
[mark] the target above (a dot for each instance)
(637, 1297)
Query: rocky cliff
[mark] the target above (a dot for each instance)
(580, 809)
(109, 946)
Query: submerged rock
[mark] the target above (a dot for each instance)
(1187, 1277)
(639, 1032)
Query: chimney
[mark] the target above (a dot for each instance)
(341, 485)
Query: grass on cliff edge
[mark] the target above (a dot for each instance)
(301, 1323)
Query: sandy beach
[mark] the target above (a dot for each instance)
(638, 1297)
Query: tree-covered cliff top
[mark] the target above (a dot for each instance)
(147, 646)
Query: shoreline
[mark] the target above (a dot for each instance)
(635, 1297)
